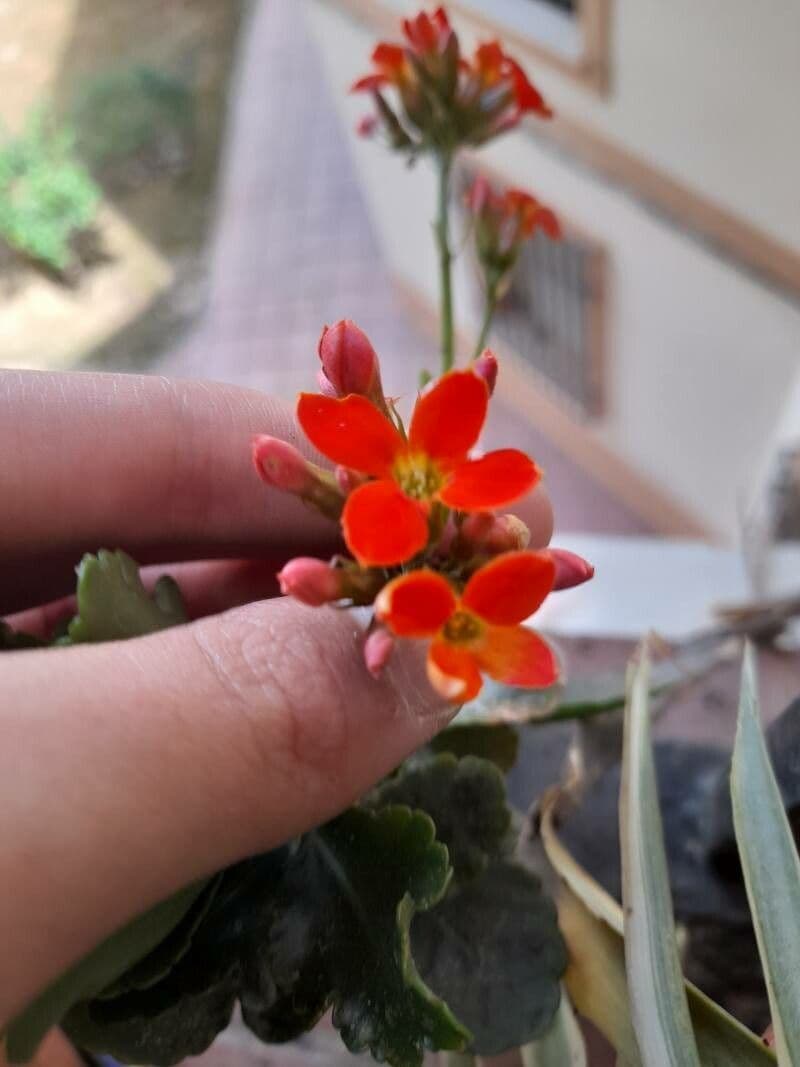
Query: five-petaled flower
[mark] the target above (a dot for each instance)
(386, 520)
(478, 631)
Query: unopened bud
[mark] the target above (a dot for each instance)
(485, 366)
(311, 581)
(571, 569)
(490, 534)
(281, 466)
(325, 387)
(349, 361)
(367, 125)
(348, 480)
(378, 649)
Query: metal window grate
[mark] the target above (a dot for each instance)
(551, 317)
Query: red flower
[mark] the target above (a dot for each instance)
(493, 67)
(510, 217)
(480, 631)
(391, 68)
(385, 521)
(427, 37)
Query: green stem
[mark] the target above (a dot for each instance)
(490, 307)
(445, 262)
(459, 1059)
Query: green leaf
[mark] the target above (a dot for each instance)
(771, 867)
(96, 971)
(592, 924)
(562, 1045)
(466, 798)
(498, 743)
(658, 996)
(14, 640)
(113, 603)
(374, 871)
(493, 950)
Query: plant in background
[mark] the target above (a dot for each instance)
(47, 197)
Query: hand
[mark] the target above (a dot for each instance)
(130, 769)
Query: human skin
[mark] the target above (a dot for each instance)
(129, 769)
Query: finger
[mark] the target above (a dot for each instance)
(154, 762)
(207, 588)
(159, 468)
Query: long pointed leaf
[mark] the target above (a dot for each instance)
(771, 867)
(658, 996)
(592, 924)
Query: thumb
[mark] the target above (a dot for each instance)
(128, 770)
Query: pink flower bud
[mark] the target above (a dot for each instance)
(378, 649)
(485, 366)
(492, 534)
(571, 569)
(348, 480)
(325, 386)
(311, 581)
(349, 361)
(280, 465)
(367, 125)
(479, 194)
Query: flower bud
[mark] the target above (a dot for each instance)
(378, 649)
(281, 466)
(367, 126)
(311, 581)
(325, 386)
(348, 480)
(487, 534)
(485, 366)
(349, 361)
(571, 569)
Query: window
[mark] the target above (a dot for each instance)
(571, 35)
(551, 319)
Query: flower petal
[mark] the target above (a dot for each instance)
(351, 432)
(382, 526)
(448, 419)
(516, 656)
(493, 481)
(416, 604)
(510, 587)
(369, 83)
(453, 672)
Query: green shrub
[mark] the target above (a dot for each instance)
(46, 195)
(120, 113)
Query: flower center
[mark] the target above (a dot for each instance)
(461, 628)
(418, 476)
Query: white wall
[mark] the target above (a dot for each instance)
(708, 91)
(701, 356)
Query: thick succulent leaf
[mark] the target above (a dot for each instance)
(655, 981)
(562, 1045)
(368, 874)
(114, 605)
(466, 798)
(771, 867)
(498, 743)
(493, 950)
(186, 1028)
(96, 971)
(592, 924)
(14, 640)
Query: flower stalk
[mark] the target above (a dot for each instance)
(445, 167)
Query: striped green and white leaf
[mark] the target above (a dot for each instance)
(771, 867)
(659, 1007)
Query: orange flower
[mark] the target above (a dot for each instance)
(493, 66)
(385, 521)
(480, 631)
(427, 36)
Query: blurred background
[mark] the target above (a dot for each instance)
(182, 192)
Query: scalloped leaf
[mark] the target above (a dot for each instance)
(498, 743)
(96, 971)
(466, 798)
(493, 950)
(113, 604)
(13, 640)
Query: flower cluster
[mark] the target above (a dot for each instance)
(446, 99)
(418, 516)
(503, 222)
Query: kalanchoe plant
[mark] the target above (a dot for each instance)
(407, 916)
